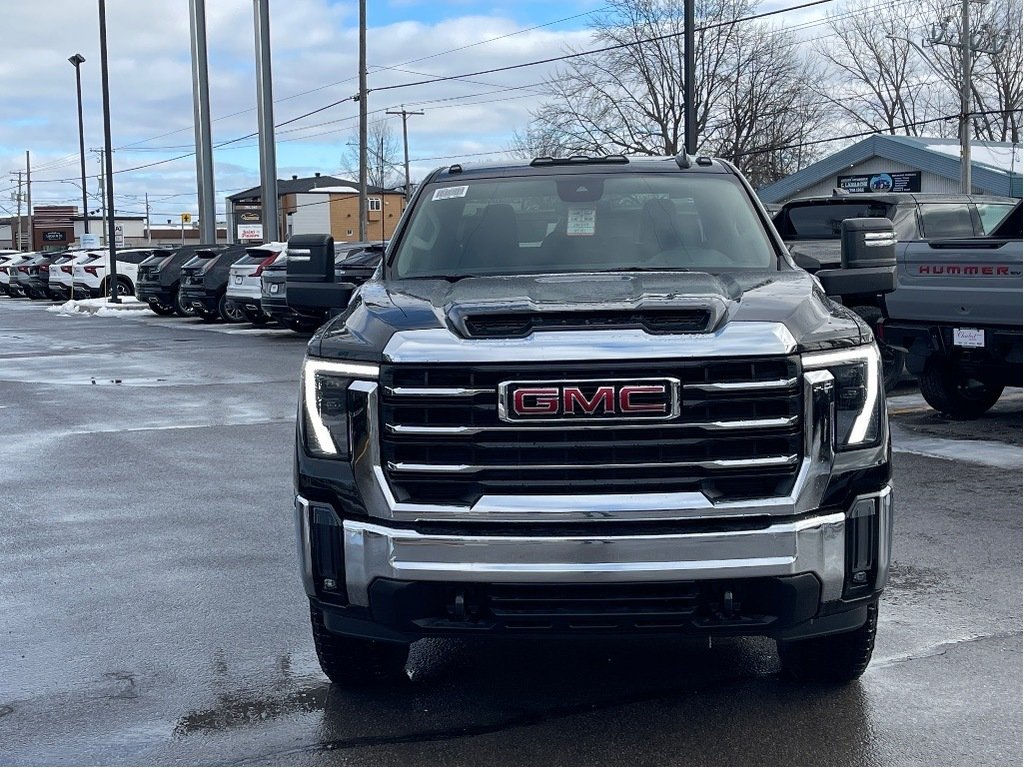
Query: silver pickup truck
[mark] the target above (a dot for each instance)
(957, 313)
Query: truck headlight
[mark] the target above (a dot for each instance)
(325, 405)
(858, 388)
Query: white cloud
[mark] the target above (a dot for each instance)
(314, 43)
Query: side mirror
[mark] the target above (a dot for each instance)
(868, 260)
(311, 258)
(311, 289)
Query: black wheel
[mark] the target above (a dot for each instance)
(207, 316)
(833, 659)
(255, 317)
(124, 287)
(951, 392)
(181, 307)
(161, 309)
(229, 311)
(300, 324)
(33, 295)
(353, 660)
(893, 360)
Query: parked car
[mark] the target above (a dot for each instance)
(7, 259)
(204, 282)
(16, 270)
(273, 290)
(35, 279)
(90, 273)
(244, 287)
(811, 227)
(956, 312)
(159, 279)
(62, 274)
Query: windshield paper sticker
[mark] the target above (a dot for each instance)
(449, 193)
(581, 222)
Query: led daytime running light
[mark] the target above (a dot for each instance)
(867, 354)
(310, 369)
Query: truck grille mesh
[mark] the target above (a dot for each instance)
(738, 434)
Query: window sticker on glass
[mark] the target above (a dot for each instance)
(581, 221)
(449, 193)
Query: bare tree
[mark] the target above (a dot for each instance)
(384, 160)
(878, 80)
(630, 99)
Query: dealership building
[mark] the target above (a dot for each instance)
(315, 205)
(884, 163)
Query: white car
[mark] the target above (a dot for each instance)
(10, 283)
(245, 277)
(62, 273)
(6, 257)
(90, 272)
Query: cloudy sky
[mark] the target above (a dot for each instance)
(314, 44)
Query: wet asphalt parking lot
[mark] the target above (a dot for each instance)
(151, 611)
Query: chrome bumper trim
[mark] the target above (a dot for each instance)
(812, 545)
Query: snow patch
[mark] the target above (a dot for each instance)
(99, 307)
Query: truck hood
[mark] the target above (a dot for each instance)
(680, 302)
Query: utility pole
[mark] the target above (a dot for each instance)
(689, 87)
(985, 41)
(112, 281)
(265, 115)
(103, 198)
(18, 199)
(201, 118)
(28, 185)
(362, 120)
(149, 230)
(405, 140)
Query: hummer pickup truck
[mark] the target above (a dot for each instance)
(588, 396)
(956, 312)
(810, 227)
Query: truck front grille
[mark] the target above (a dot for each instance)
(738, 433)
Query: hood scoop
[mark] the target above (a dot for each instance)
(512, 325)
(663, 303)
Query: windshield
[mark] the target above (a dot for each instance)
(583, 223)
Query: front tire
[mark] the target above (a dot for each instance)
(832, 659)
(181, 307)
(353, 660)
(161, 309)
(953, 393)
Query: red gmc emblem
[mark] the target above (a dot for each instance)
(589, 400)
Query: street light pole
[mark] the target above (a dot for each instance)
(265, 120)
(77, 60)
(362, 122)
(108, 156)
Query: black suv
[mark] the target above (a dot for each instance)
(593, 396)
(204, 283)
(159, 279)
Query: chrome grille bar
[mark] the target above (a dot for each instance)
(709, 426)
(466, 469)
(438, 391)
(742, 386)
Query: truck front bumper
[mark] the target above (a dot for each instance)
(827, 545)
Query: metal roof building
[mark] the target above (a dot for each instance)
(885, 163)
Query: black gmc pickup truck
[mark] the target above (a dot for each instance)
(595, 395)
